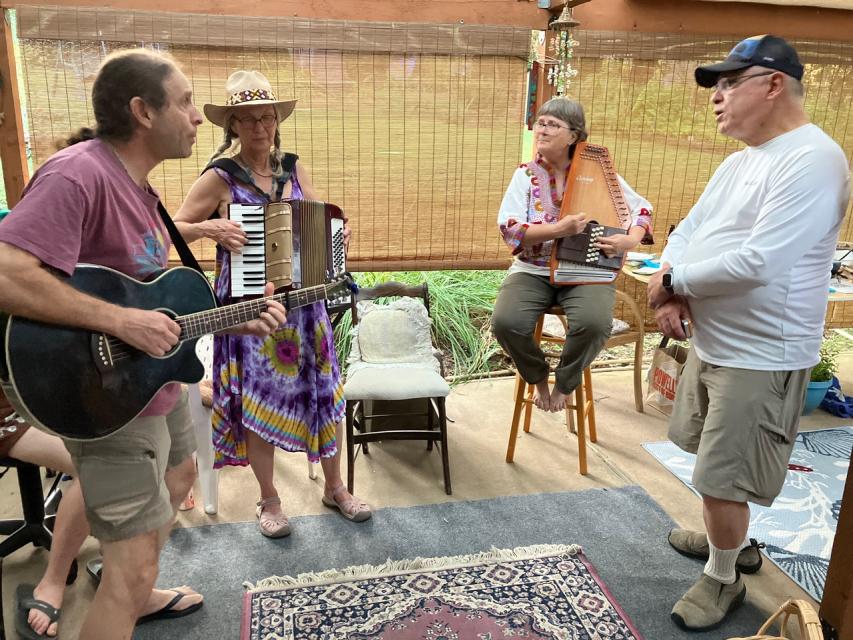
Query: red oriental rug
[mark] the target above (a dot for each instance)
(536, 593)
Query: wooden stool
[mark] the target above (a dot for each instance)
(582, 407)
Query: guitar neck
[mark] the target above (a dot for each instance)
(219, 319)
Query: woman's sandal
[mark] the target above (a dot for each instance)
(272, 526)
(351, 508)
(188, 503)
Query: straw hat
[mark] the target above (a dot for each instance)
(247, 89)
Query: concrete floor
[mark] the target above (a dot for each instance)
(405, 474)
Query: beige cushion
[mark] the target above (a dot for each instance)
(394, 383)
(396, 334)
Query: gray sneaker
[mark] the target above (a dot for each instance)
(707, 603)
(694, 544)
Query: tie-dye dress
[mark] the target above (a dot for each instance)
(287, 387)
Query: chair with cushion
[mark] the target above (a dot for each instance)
(392, 363)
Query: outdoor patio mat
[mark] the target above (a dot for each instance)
(539, 593)
(800, 526)
(622, 532)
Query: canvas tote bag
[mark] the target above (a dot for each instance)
(667, 364)
(799, 610)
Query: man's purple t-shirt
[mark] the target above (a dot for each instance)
(82, 206)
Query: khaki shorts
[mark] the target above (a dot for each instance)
(741, 424)
(123, 475)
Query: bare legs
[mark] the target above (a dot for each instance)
(262, 460)
(70, 526)
(130, 570)
(726, 522)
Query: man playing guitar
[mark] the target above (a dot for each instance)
(91, 203)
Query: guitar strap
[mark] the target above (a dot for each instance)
(187, 257)
(229, 166)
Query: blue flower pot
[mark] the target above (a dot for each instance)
(814, 395)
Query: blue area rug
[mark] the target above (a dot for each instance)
(800, 526)
(622, 531)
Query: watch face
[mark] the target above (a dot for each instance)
(667, 280)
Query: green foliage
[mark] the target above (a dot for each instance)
(461, 304)
(828, 365)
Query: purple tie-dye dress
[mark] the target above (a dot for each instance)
(287, 387)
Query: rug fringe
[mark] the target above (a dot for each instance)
(402, 566)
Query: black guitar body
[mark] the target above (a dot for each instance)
(84, 385)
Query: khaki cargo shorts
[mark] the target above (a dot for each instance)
(741, 424)
(123, 475)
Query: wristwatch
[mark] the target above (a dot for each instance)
(668, 283)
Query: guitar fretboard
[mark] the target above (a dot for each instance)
(195, 325)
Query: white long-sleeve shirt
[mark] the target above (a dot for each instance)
(754, 255)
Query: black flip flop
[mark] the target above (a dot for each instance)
(169, 612)
(25, 602)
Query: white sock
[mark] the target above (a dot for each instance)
(721, 564)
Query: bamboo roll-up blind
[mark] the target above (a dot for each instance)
(413, 129)
(642, 102)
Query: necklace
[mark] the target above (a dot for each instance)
(253, 170)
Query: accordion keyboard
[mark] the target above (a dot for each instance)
(248, 268)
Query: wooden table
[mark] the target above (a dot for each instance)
(628, 270)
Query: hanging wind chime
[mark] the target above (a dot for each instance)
(560, 75)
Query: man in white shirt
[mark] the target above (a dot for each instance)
(749, 267)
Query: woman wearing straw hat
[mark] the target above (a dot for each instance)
(284, 391)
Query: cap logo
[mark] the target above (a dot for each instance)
(745, 48)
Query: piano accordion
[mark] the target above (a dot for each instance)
(292, 243)
(592, 188)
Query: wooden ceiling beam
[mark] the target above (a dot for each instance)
(517, 13)
(715, 18)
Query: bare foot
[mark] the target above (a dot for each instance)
(558, 400)
(159, 598)
(40, 623)
(542, 396)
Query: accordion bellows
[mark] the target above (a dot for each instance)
(292, 243)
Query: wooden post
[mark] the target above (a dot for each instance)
(836, 609)
(13, 156)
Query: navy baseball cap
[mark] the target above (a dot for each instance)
(763, 51)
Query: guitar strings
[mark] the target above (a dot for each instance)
(201, 320)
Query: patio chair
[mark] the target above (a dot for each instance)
(201, 414)
(392, 362)
(39, 512)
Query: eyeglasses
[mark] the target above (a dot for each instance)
(726, 84)
(549, 126)
(249, 121)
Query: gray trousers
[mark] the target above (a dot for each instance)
(524, 297)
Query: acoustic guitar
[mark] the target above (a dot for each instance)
(82, 385)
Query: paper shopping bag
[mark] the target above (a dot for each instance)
(667, 364)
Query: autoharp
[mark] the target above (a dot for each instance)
(292, 243)
(592, 188)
